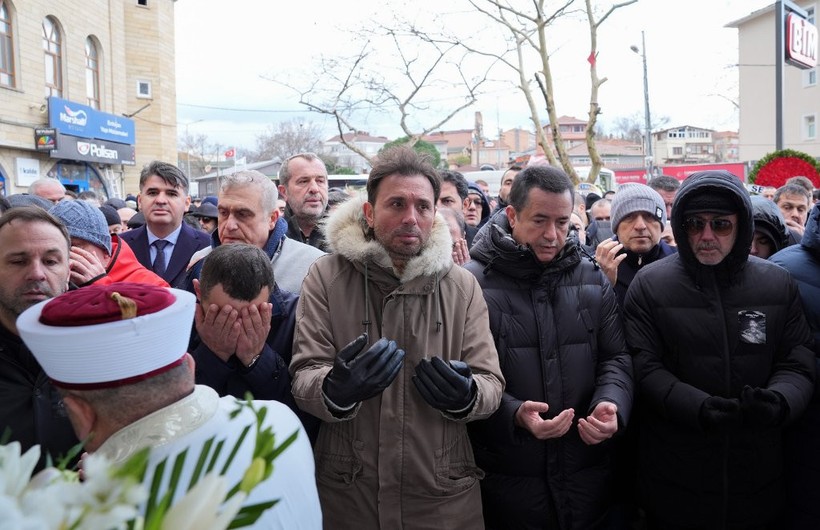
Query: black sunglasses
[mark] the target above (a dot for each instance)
(720, 227)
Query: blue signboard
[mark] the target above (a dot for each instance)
(75, 119)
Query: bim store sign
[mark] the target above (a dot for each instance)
(74, 119)
(81, 149)
(801, 42)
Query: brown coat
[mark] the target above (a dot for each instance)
(394, 462)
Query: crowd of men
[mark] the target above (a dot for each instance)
(543, 359)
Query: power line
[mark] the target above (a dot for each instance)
(235, 109)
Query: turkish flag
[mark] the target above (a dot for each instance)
(230, 153)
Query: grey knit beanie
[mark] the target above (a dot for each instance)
(84, 221)
(635, 197)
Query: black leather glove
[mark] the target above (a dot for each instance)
(358, 376)
(762, 408)
(447, 387)
(719, 414)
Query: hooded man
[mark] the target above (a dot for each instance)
(722, 359)
(393, 353)
(476, 206)
(771, 233)
(638, 216)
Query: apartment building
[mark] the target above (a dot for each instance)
(801, 95)
(87, 92)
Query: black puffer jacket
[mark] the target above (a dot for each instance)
(560, 341)
(803, 438)
(684, 323)
(30, 407)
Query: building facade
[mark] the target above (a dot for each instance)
(801, 95)
(87, 92)
(683, 145)
(346, 157)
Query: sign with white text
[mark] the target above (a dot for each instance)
(81, 120)
(801, 42)
(81, 149)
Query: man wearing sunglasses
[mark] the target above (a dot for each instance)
(721, 352)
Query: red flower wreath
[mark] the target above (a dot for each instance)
(775, 168)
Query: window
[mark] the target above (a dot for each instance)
(144, 89)
(810, 127)
(53, 55)
(677, 151)
(6, 46)
(143, 3)
(92, 74)
(810, 77)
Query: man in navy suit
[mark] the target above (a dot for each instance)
(165, 244)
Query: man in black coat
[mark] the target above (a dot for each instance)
(720, 347)
(555, 322)
(638, 218)
(243, 328)
(34, 266)
(803, 438)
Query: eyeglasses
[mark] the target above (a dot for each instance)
(696, 225)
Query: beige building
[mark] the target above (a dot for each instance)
(346, 157)
(109, 62)
(801, 95)
(683, 145)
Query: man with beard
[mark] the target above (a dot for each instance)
(303, 184)
(34, 266)
(506, 185)
(638, 217)
(722, 357)
(164, 244)
(555, 323)
(392, 352)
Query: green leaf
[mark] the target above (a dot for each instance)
(200, 462)
(135, 466)
(248, 515)
(235, 449)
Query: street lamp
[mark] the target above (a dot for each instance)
(648, 119)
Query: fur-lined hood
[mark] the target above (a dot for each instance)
(348, 235)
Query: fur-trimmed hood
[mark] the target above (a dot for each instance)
(348, 235)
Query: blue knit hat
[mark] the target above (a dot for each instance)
(84, 221)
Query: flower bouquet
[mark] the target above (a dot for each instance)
(115, 497)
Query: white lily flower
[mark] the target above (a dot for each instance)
(15, 470)
(197, 510)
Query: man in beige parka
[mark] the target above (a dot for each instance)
(393, 450)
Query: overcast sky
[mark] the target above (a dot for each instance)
(224, 51)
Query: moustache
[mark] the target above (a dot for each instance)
(38, 287)
(707, 246)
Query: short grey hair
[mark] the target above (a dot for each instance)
(284, 170)
(268, 194)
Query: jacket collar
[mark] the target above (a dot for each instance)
(349, 236)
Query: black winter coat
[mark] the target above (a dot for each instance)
(31, 410)
(560, 341)
(803, 438)
(685, 326)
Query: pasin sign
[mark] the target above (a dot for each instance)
(801, 42)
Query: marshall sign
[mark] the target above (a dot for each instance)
(100, 151)
(801, 42)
